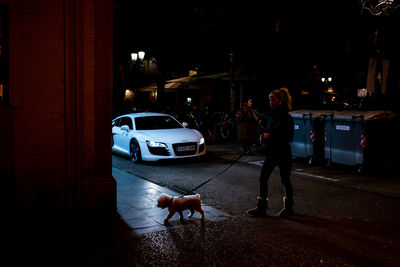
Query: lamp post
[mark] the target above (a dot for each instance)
(137, 60)
(141, 55)
(326, 80)
(134, 56)
(328, 83)
(136, 75)
(232, 82)
(137, 57)
(145, 70)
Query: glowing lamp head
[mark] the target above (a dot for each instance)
(134, 56)
(141, 55)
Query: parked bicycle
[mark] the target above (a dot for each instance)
(225, 128)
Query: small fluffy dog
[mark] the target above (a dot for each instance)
(179, 204)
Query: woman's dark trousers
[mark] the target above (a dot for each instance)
(281, 157)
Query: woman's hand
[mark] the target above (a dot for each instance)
(264, 136)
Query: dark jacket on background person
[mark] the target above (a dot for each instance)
(247, 124)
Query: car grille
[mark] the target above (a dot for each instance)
(160, 151)
(179, 152)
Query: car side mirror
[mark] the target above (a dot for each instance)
(185, 124)
(125, 127)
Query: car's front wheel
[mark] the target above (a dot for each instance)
(136, 155)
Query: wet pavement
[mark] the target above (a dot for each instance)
(385, 182)
(137, 199)
(137, 236)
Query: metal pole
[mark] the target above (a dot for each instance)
(231, 83)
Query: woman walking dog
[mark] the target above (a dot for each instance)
(276, 136)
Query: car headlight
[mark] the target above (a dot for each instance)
(155, 144)
(201, 141)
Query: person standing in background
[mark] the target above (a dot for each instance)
(247, 126)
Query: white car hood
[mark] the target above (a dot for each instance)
(180, 135)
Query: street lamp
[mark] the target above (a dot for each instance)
(326, 80)
(134, 56)
(139, 55)
(137, 61)
(328, 83)
(137, 66)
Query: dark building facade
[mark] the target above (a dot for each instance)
(56, 108)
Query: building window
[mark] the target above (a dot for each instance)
(4, 56)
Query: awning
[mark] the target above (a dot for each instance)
(183, 83)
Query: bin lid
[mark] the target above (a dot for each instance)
(366, 115)
(314, 113)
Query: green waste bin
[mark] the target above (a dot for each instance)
(308, 139)
(359, 138)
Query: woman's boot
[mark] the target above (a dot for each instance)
(261, 209)
(287, 208)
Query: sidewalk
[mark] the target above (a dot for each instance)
(385, 184)
(137, 200)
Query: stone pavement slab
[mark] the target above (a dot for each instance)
(137, 205)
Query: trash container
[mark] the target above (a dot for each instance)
(308, 138)
(358, 138)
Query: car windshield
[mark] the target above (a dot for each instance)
(156, 123)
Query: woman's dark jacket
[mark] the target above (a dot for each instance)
(280, 126)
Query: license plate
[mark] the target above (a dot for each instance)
(185, 148)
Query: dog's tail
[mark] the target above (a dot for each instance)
(197, 195)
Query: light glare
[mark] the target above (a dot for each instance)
(141, 55)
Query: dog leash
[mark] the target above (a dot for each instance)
(233, 162)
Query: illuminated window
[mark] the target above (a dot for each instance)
(4, 95)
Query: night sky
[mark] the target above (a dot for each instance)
(187, 34)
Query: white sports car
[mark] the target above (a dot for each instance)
(154, 136)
